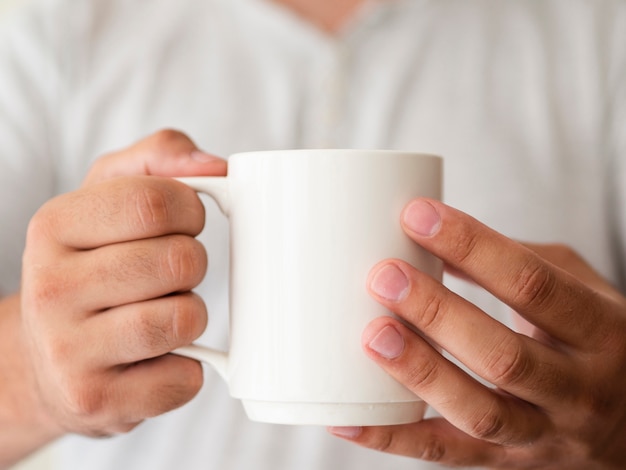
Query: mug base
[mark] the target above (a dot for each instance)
(335, 414)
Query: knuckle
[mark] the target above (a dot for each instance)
(92, 410)
(44, 224)
(433, 450)
(509, 363)
(535, 284)
(185, 321)
(381, 441)
(430, 316)
(430, 449)
(150, 209)
(488, 426)
(59, 351)
(85, 401)
(188, 319)
(422, 375)
(184, 261)
(47, 288)
(167, 143)
(165, 137)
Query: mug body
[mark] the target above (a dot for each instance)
(306, 228)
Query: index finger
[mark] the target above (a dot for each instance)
(119, 210)
(546, 295)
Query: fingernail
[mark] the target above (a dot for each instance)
(390, 282)
(202, 157)
(422, 218)
(389, 343)
(347, 432)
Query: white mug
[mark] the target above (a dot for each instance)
(306, 227)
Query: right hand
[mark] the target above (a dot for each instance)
(106, 292)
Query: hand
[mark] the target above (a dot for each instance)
(559, 395)
(107, 278)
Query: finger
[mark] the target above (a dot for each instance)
(433, 440)
(566, 258)
(539, 291)
(513, 362)
(139, 270)
(167, 383)
(143, 330)
(164, 153)
(470, 406)
(95, 280)
(127, 395)
(118, 210)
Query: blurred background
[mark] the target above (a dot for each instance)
(42, 460)
(5, 4)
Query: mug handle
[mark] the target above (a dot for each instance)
(217, 188)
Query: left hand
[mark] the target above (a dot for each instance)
(559, 395)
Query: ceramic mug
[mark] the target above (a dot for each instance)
(306, 227)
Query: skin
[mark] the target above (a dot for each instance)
(106, 293)
(59, 373)
(559, 395)
(84, 350)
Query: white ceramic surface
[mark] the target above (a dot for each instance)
(306, 228)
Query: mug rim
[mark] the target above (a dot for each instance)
(330, 151)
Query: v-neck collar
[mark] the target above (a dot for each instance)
(281, 16)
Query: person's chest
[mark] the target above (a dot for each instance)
(421, 76)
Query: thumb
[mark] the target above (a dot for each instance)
(164, 153)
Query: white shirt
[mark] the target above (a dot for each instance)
(526, 100)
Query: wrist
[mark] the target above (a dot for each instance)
(25, 423)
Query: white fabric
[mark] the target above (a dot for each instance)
(525, 99)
